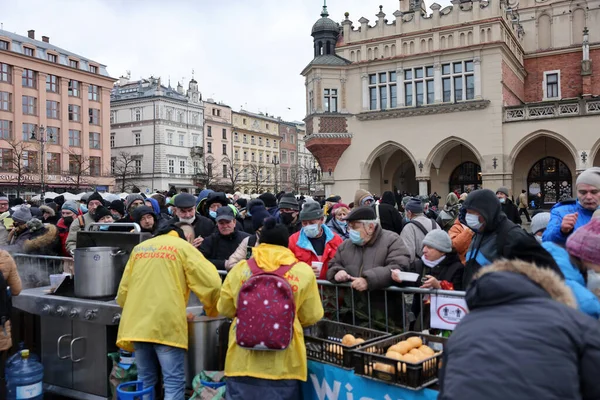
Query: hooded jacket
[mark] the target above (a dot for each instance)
(522, 339)
(274, 365)
(304, 251)
(388, 215)
(373, 261)
(511, 211)
(43, 241)
(558, 212)
(413, 236)
(139, 212)
(587, 301)
(359, 196)
(449, 214)
(497, 232)
(155, 289)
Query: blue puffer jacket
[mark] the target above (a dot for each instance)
(586, 300)
(553, 233)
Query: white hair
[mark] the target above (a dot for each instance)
(369, 221)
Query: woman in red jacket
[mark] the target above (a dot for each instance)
(69, 212)
(315, 243)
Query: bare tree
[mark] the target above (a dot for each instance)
(19, 161)
(295, 180)
(79, 169)
(258, 175)
(233, 174)
(123, 169)
(209, 175)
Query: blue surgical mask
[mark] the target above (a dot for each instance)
(248, 213)
(311, 231)
(355, 237)
(170, 210)
(342, 224)
(502, 200)
(213, 214)
(104, 227)
(472, 221)
(83, 208)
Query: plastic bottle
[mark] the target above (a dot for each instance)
(24, 378)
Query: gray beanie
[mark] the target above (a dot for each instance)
(133, 197)
(539, 222)
(414, 205)
(590, 176)
(71, 206)
(22, 214)
(288, 201)
(503, 190)
(438, 239)
(311, 211)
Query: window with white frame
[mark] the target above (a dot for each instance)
(209, 147)
(260, 142)
(113, 117)
(182, 166)
(224, 170)
(171, 166)
(182, 140)
(170, 138)
(138, 114)
(137, 166)
(418, 86)
(236, 155)
(194, 140)
(268, 143)
(196, 167)
(253, 155)
(551, 85)
(330, 100)
(284, 156)
(236, 137)
(383, 91)
(138, 138)
(458, 81)
(112, 140)
(245, 155)
(311, 102)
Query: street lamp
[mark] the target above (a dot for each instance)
(275, 163)
(42, 137)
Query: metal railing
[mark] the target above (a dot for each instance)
(35, 270)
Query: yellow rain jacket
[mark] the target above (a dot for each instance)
(155, 288)
(291, 362)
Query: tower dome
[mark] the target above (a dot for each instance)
(325, 33)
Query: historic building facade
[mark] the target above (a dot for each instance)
(220, 168)
(54, 118)
(288, 159)
(480, 93)
(156, 136)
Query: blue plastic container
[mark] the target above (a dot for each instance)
(134, 391)
(24, 378)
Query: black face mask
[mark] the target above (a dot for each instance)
(68, 220)
(286, 218)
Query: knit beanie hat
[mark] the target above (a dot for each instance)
(71, 206)
(311, 211)
(133, 197)
(590, 176)
(269, 199)
(59, 200)
(101, 211)
(503, 190)
(22, 214)
(95, 196)
(242, 202)
(3, 197)
(288, 201)
(274, 233)
(539, 222)
(253, 204)
(118, 206)
(584, 243)
(259, 214)
(415, 206)
(438, 239)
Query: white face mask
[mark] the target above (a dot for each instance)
(538, 238)
(432, 264)
(473, 221)
(188, 220)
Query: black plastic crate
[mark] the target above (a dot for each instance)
(324, 341)
(409, 375)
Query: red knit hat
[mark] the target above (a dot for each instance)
(584, 243)
(338, 205)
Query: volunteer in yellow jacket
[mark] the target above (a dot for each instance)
(154, 293)
(274, 375)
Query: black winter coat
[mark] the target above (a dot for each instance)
(218, 248)
(389, 216)
(522, 339)
(512, 212)
(202, 226)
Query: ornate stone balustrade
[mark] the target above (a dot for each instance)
(545, 110)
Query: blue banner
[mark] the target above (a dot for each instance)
(326, 382)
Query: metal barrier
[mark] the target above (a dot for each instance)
(405, 296)
(35, 270)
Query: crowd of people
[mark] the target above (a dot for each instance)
(527, 292)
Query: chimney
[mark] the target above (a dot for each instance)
(31, 34)
(45, 39)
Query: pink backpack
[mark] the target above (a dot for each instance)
(265, 310)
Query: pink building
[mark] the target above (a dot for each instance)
(42, 85)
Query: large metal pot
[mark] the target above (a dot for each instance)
(98, 271)
(204, 345)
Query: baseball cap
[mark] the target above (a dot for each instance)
(225, 213)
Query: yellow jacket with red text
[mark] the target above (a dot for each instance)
(155, 288)
(291, 362)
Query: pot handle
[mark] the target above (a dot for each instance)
(58, 346)
(72, 343)
(118, 253)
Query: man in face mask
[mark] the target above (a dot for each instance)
(508, 207)
(315, 244)
(69, 212)
(288, 212)
(185, 211)
(94, 201)
(539, 223)
(497, 237)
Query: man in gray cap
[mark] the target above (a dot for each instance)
(567, 216)
(219, 246)
(416, 228)
(20, 232)
(82, 223)
(185, 211)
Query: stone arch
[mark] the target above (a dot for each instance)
(423, 46)
(443, 42)
(384, 147)
(369, 54)
(544, 31)
(482, 36)
(430, 45)
(393, 50)
(595, 154)
(439, 151)
(358, 55)
(376, 53)
(386, 51)
(536, 135)
(469, 38)
(461, 39)
(352, 56)
(577, 25)
(412, 47)
(450, 41)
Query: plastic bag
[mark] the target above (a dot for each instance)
(120, 375)
(203, 390)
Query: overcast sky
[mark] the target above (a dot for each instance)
(244, 53)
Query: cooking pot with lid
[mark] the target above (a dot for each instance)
(98, 271)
